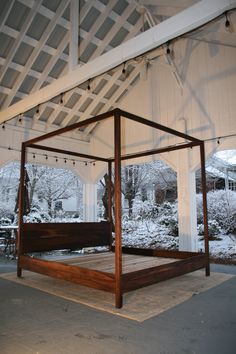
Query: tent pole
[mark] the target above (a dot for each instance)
(21, 208)
(204, 204)
(110, 197)
(118, 234)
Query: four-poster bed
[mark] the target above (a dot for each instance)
(120, 277)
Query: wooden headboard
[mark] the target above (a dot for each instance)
(54, 236)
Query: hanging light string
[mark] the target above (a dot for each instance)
(65, 159)
(123, 65)
(218, 138)
(54, 157)
(221, 137)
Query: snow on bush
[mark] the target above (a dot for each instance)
(221, 208)
(145, 209)
(214, 230)
(151, 225)
(6, 213)
(5, 221)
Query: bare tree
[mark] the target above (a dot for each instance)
(35, 173)
(133, 177)
(55, 184)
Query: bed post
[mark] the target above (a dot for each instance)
(118, 235)
(204, 204)
(21, 208)
(110, 198)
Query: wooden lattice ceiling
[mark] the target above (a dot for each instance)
(34, 51)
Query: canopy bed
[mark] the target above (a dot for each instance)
(121, 269)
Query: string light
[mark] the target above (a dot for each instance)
(37, 110)
(89, 86)
(46, 156)
(20, 118)
(227, 22)
(61, 99)
(3, 126)
(168, 49)
(124, 68)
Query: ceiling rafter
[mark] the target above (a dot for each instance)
(51, 63)
(76, 109)
(114, 99)
(82, 100)
(60, 10)
(20, 36)
(5, 13)
(110, 35)
(89, 35)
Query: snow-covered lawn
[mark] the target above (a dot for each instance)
(224, 248)
(148, 234)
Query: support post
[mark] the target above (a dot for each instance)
(90, 201)
(21, 208)
(74, 34)
(118, 232)
(187, 210)
(109, 192)
(204, 204)
(110, 198)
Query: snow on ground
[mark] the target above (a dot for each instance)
(150, 234)
(224, 248)
(155, 236)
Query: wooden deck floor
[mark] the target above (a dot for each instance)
(106, 262)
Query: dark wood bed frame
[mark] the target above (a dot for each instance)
(55, 236)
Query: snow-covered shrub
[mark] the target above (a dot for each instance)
(128, 225)
(37, 215)
(213, 229)
(168, 217)
(6, 212)
(5, 221)
(145, 209)
(221, 208)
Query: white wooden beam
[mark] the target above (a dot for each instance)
(185, 21)
(74, 34)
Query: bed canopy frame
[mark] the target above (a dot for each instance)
(51, 236)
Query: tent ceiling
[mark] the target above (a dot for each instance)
(34, 51)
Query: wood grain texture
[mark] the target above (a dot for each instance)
(55, 236)
(88, 277)
(141, 278)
